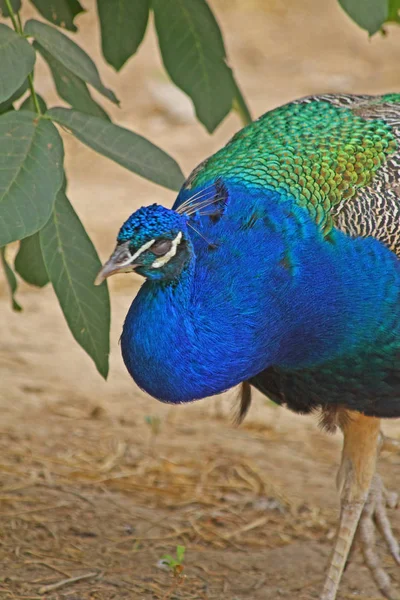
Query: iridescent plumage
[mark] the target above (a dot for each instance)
(278, 267)
(323, 151)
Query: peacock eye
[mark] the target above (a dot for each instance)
(161, 247)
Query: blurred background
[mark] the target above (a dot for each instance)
(97, 478)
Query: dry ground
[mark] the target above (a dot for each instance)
(97, 479)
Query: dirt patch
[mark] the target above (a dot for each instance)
(99, 481)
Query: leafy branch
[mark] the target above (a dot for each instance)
(35, 211)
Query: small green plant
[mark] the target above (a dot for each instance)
(175, 565)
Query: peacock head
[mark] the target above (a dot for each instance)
(152, 242)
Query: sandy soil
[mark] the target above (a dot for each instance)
(97, 479)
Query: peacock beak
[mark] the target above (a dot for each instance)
(120, 261)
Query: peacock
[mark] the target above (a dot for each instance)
(278, 268)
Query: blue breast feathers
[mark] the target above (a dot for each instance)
(265, 289)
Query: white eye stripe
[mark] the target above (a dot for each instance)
(160, 262)
(145, 247)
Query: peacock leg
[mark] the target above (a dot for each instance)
(374, 515)
(359, 455)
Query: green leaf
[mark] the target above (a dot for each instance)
(69, 87)
(69, 54)
(11, 279)
(123, 25)
(28, 104)
(15, 4)
(31, 173)
(8, 104)
(180, 553)
(394, 11)
(59, 12)
(17, 58)
(29, 262)
(72, 264)
(194, 55)
(368, 14)
(128, 149)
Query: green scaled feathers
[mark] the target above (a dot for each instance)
(319, 150)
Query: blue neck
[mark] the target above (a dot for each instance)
(275, 293)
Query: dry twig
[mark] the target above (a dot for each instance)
(64, 582)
